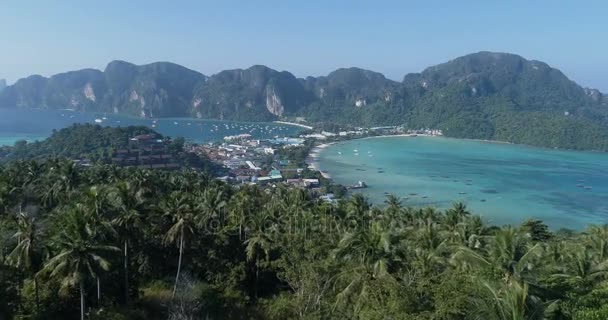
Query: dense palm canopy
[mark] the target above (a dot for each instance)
(193, 247)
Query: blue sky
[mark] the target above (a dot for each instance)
(311, 37)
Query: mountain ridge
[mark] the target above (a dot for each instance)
(473, 96)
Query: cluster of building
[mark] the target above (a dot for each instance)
(252, 161)
(146, 151)
(427, 131)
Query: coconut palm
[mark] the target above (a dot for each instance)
(456, 215)
(79, 254)
(95, 204)
(580, 269)
(371, 253)
(210, 205)
(259, 242)
(507, 251)
(27, 254)
(178, 209)
(129, 221)
(508, 301)
(596, 238)
(241, 207)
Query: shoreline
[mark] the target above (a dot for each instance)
(313, 158)
(294, 124)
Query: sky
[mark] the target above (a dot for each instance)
(311, 37)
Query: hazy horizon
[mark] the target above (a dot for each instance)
(306, 39)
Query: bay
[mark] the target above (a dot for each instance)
(37, 124)
(505, 184)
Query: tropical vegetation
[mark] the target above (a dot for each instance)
(104, 242)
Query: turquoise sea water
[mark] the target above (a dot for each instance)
(506, 184)
(34, 125)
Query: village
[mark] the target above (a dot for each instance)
(287, 160)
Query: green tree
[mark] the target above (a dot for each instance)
(79, 256)
(27, 255)
(178, 209)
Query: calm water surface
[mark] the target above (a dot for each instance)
(34, 125)
(506, 184)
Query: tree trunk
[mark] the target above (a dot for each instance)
(179, 262)
(37, 295)
(81, 300)
(126, 267)
(98, 292)
(257, 275)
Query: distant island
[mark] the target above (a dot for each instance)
(485, 95)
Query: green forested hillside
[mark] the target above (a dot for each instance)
(137, 244)
(485, 95)
(79, 140)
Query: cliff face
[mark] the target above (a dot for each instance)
(154, 90)
(479, 85)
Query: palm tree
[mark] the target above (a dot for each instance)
(596, 238)
(131, 202)
(456, 215)
(508, 301)
(80, 255)
(241, 206)
(394, 211)
(580, 269)
(211, 203)
(96, 206)
(372, 253)
(259, 243)
(507, 251)
(64, 179)
(178, 209)
(27, 255)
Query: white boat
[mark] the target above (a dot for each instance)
(98, 121)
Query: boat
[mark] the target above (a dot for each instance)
(98, 121)
(174, 122)
(588, 187)
(358, 185)
(462, 192)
